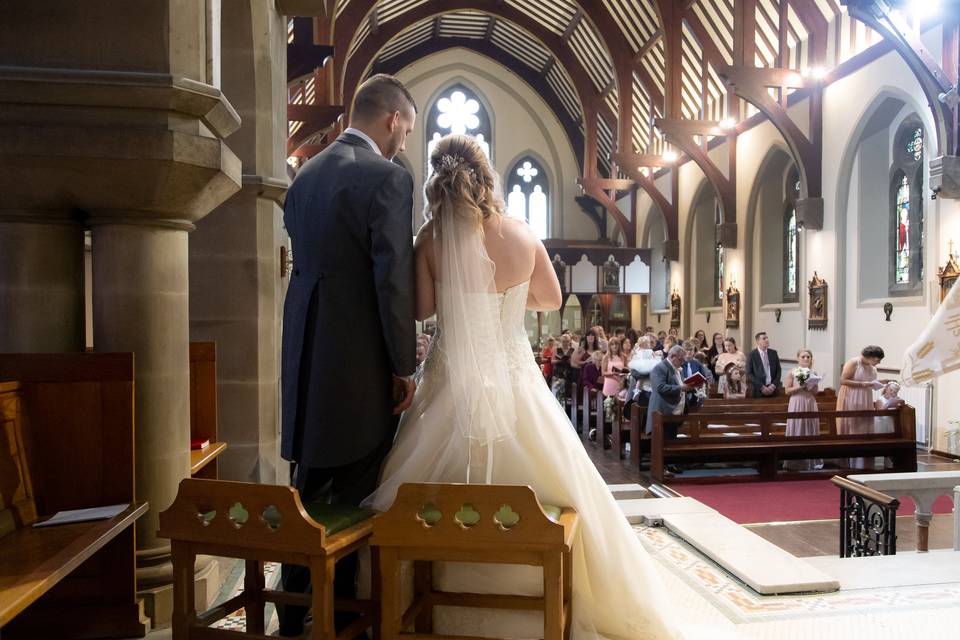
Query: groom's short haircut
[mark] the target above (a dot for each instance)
(381, 94)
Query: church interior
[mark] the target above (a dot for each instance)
(717, 175)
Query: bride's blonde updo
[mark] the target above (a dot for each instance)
(462, 183)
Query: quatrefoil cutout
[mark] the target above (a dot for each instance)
(429, 515)
(467, 516)
(206, 517)
(238, 515)
(271, 518)
(506, 517)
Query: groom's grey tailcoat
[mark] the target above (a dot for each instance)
(348, 321)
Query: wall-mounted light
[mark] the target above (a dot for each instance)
(727, 123)
(670, 156)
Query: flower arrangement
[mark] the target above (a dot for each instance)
(801, 375)
(608, 407)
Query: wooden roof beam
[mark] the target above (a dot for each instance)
(574, 23)
(751, 84)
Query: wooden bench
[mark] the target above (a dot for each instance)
(472, 523)
(591, 402)
(68, 441)
(203, 410)
(259, 523)
(759, 437)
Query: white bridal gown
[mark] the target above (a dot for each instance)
(617, 591)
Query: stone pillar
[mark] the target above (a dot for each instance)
(140, 304)
(111, 109)
(41, 284)
(236, 288)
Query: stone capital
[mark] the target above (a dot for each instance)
(266, 187)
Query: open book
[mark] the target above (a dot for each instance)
(82, 515)
(696, 380)
(813, 381)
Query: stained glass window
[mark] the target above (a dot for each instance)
(459, 111)
(915, 144)
(718, 290)
(902, 232)
(792, 238)
(528, 194)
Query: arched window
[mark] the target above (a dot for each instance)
(457, 110)
(906, 204)
(528, 194)
(791, 238)
(718, 260)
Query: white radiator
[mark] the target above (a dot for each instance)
(921, 399)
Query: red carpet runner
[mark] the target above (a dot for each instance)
(749, 502)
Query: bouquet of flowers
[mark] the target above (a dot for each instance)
(559, 389)
(801, 375)
(608, 407)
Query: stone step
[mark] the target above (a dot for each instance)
(651, 511)
(628, 491)
(763, 566)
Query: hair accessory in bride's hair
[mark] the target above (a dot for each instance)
(449, 163)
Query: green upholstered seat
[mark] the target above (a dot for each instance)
(335, 518)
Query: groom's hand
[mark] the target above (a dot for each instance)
(403, 389)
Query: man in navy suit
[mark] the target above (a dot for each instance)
(763, 369)
(349, 346)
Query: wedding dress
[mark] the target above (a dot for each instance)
(518, 434)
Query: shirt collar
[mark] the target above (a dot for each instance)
(365, 138)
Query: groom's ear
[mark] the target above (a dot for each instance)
(393, 121)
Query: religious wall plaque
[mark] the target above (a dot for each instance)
(732, 314)
(948, 274)
(610, 274)
(675, 309)
(817, 313)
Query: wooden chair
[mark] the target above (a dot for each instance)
(472, 523)
(259, 523)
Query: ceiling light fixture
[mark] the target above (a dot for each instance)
(670, 156)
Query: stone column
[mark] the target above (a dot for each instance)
(41, 283)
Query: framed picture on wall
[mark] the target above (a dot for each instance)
(948, 274)
(817, 313)
(675, 309)
(732, 315)
(610, 275)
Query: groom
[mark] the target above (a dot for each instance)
(349, 347)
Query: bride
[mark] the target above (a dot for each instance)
(482, 413)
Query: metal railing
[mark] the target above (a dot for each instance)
(868, 520)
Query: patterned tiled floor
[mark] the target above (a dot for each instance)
(233, 585)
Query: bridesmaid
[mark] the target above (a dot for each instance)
(858, 380)
(613, 367)
(802, 399)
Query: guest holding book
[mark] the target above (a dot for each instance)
(801, 387)
(730, 354)
(614, 368)
(591, 374)
(695, 374)
(858, 381)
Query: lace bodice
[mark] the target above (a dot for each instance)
(513, 305)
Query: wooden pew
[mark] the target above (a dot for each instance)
(629, 428)
(76, 580)
(203, 409)
(574, 404)
(760, 438)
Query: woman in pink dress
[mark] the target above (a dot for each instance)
(802, 399)
(613, 368)
(858, 380)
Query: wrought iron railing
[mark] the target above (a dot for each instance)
(868, 520)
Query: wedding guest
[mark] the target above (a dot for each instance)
(601, 338)
(802, 391)
(692, 366)
(858, 380)
(667, 391)
(626, 347)
(674, 332)
(763, 368)
(633, 335)
(613, 367)
(591, 374)
(547, 357)
(732, 385)
(561, 361)
(700, 337)
(423, 347)
(588, 344)
(889, 399)
(716, 348)
(730, 354)
(668, 343)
